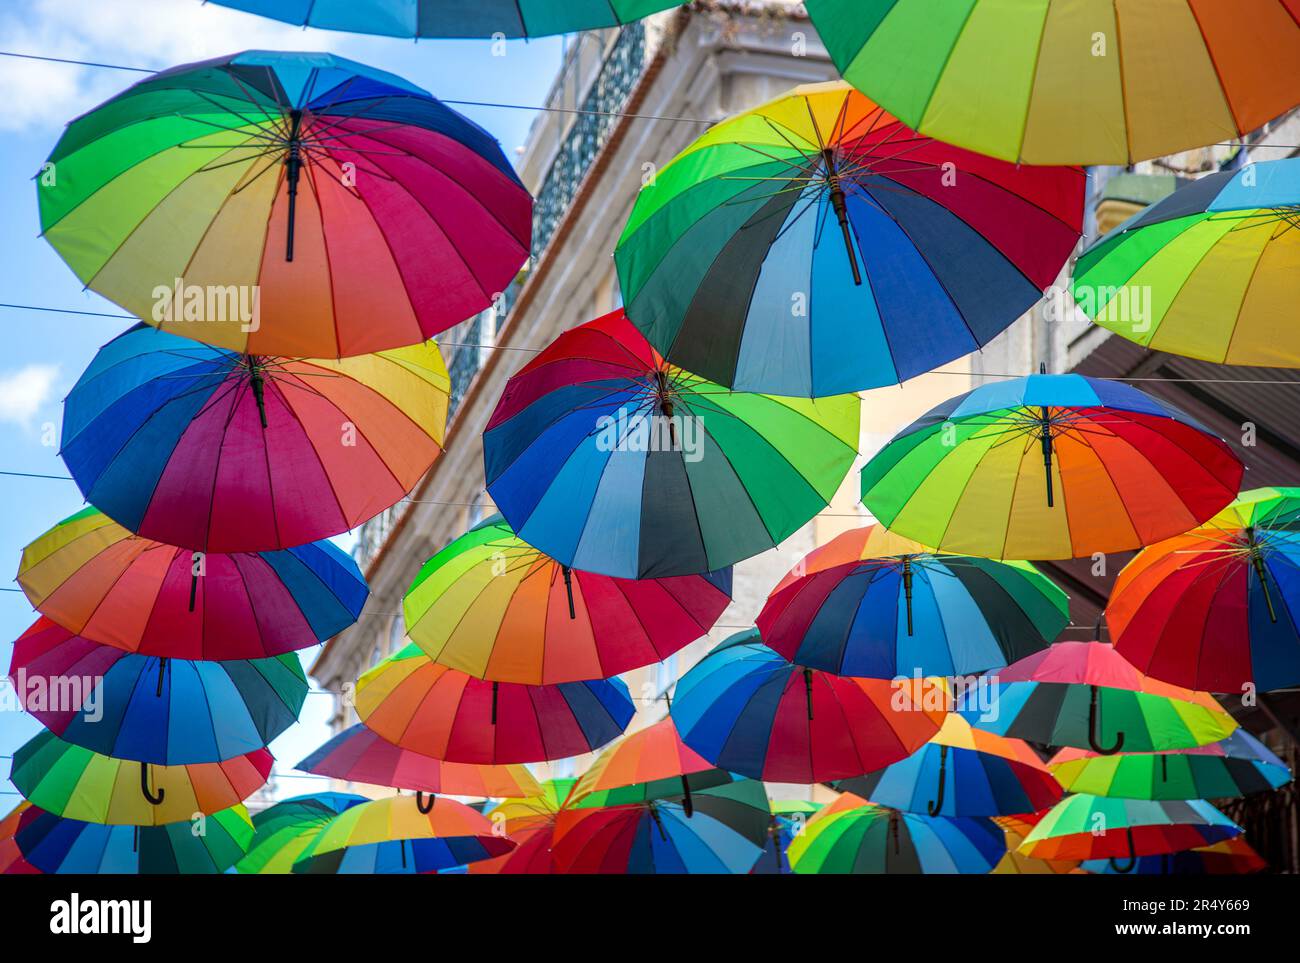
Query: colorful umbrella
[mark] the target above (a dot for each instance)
(417, 704)
(395, 835)
(53, 844)
(1014, 863)
(788, 820)
(286, 204)
(1086, 695)
(530, 823)
(870, 603)
(1099, 827)
(1233, 856)
(610, 460)
(210, 450)
(492, 605)
(749, 711)
(359, 755)
(795, 248)
(1237, 766)
(962, 772)
(854, 836)
(1208, 272)
(92, 576)
(288, 827)
(724, 835)
(70, 781)
(12, 861)
(454, 18)
(1049, 467)
(1080, 83)
(1218, 608)
(164, 711)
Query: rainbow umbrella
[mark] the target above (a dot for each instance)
(417, 704)
(75, 782)
(1209, 272)
(165, 711)
(53, 844)
(962, 772)
(1044, 82)
(492, 605)
(1236, 766)
(723, 836)
(359, 755)
(12, 861)
(870, 603)
(530, 823)
(854, 836)
(285, 829)
(454, 18)
(286, 204)
(1232, 857)
(610, 460)
(1086, 695)
(1049, 467)
(749, 711)
(93, 576)
(815, 245)
(1087, 827)
(395, 835)
(1219, 607)
(215, 451)
(1013, 863)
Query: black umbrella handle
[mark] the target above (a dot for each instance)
(568, 588)
(936, 804)
(154, 800)
(495, 688)
(907, 590)
(807, 690)
(688, 804)
(1128, 865)
(1094, 733)
(420, 803)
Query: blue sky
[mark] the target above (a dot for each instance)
(43, 354)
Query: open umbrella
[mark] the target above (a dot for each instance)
(53, 844)
(610, 460)
(1217, 608)
(747, 710)
(71, 781)
(164, 711)
(870, 603)
(1236, 766)
(286, 828)
(394, 835)
(93, 576)
(962, 772)
(359, 755)
(1049, 467)
(795, 248)
(788, 820)
(492, 605)
(1086, 695)
(529, 822)
(286, 204)
(417, 704)
(1015, 863)
(1230, 857)
(215, 451)
(1081, 83)
(454, 18)
(1208, 272)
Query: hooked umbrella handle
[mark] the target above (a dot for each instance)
(155, 800)
(568, 588)
(420, 802)
(937, 804)
(1128, 865)
(1094, 733)
(688, 805)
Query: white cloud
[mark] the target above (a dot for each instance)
(25, 391)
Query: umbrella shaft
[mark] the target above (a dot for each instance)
(259, 390)
(839, 202)
(907, 591)
(568, 588)
(1262, 573)
(807, 690)
(162, 669)
(293, 171)
(495, 687)
(1047, 453)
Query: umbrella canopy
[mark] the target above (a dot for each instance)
(854, 836)
(286, 828)
(1013, 79)
(1236, 766)
(450, 18)
(724, 835)
(870, 603)
(788, 820)
(53, 844)
(71, 781)
(1208, 272)
(417, 704)
(93, 576)
(794, 248)
(962, 772)
(1050, 467)
(610, 460)
(12, 861)
(492, 605)
(359, 755)
(286, 204)
(749, 711)
(1016, 864)
(1092, 827)
(396, 835)
(215, 451)
(1233, 857)
(1219, 607)
(1086, 695)
(530, 823)
(165, 711)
